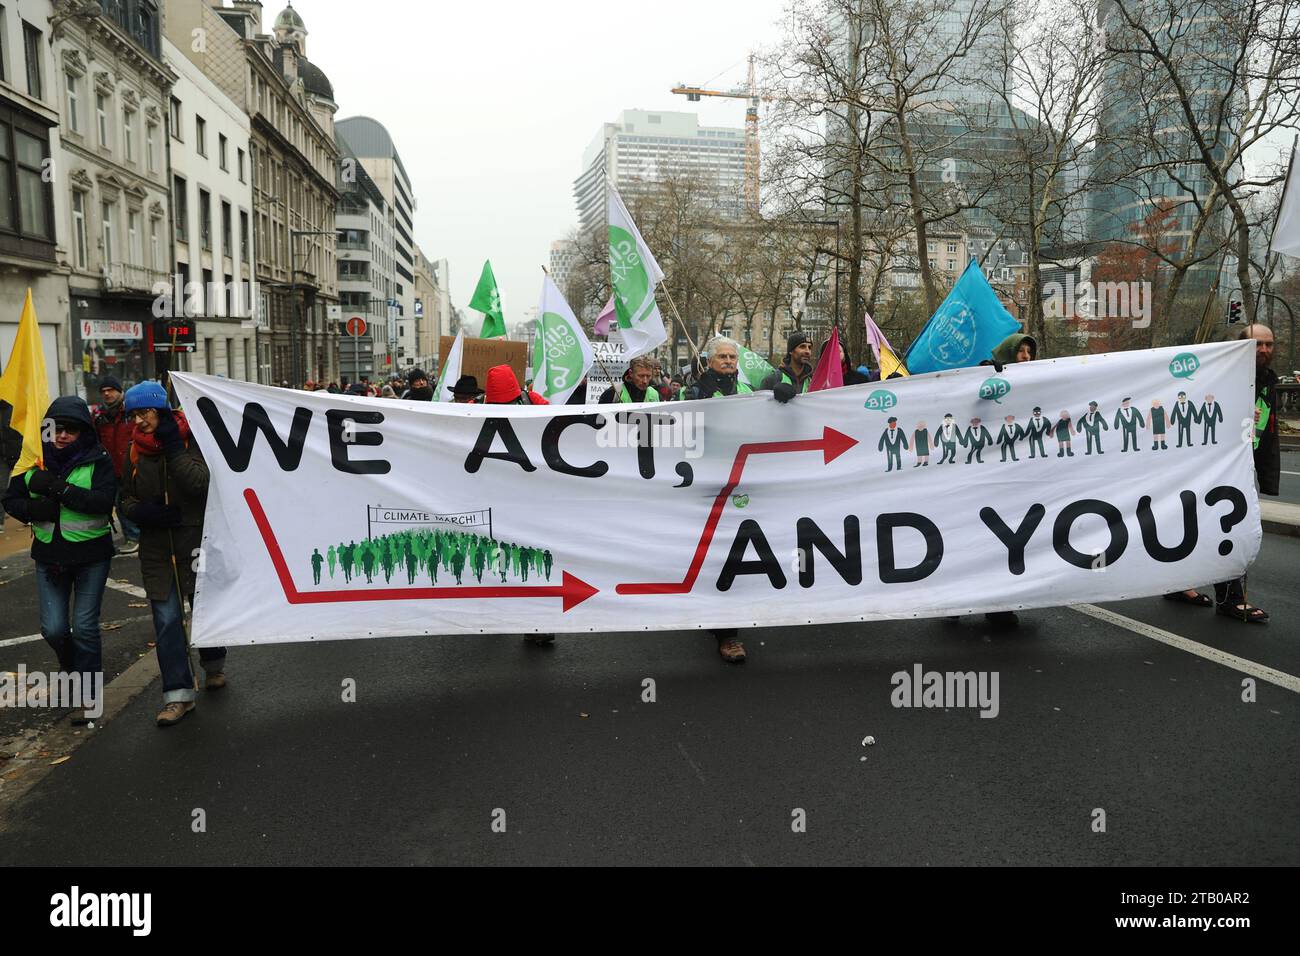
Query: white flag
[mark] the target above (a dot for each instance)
(633, 274)
(562, 351)
(450, 369)
(1286, 234)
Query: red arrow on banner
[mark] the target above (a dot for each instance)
(832, 444)
(573, 590)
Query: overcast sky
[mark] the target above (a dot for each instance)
(492, 105)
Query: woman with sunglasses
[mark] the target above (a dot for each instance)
(67, 500)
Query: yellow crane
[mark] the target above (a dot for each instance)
(693, 94)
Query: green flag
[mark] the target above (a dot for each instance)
(488, 301)
(753, 368)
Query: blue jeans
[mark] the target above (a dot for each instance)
(173, 661)
(130, 530)
(76, 642)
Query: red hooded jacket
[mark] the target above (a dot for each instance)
(503, 388)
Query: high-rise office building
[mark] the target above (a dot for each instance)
(645, 147)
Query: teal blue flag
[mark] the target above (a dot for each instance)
(965, 329)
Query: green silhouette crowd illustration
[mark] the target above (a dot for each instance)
(426, 552)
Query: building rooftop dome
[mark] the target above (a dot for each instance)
(314, 80)
(289, 20)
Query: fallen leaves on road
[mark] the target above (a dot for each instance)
(13, 774)
(63, 759)
(580, 714)
(134, 604)
(109, 627)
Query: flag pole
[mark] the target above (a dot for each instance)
(595, 358)
(678, 316)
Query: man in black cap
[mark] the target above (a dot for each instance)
(420, 390)
(1094, 425)
(795, 374)
(892, 441)
(466, 390)
(1183, 416)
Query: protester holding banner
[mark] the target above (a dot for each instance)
(68, 501)
(503, 389)
(720, 377)
(420, 390)
(1016, 347)
(466, 390)
(796, 371)
(115, 430)
(1230, 596)
(636, 386)
(164, 490)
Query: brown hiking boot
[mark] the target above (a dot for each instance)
(541, 640)
(215, 682)
(173, 713)
(732, 651)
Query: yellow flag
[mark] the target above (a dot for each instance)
(24, 390)
(889, 364)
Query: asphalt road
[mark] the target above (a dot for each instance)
(1290, 486)
(445, 731)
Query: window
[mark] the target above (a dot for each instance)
(134, 239)
(74, 103)
(208, 363)
(205, 219)
(101, 115)
(174, 115)
(181, 208)
(239, 156)
(929, 247)
(33, 48)
(128, 134)
(200, 135)
(952, 247)
(227, 243)
(155, 262)
(952, 265)
(151, 146)
(228, 295)
(230, 357)
(221, 151)
(243, 238)
(106, 213)
(79, 228)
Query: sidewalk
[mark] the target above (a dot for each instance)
(1280, 517)
(15, 539)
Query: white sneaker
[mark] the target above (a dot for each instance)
(129, 547)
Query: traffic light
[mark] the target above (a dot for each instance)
(1234, 311)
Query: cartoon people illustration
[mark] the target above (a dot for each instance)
(892, 441)
(332, 557)
(1157, 425)
(921, 445)
(1094, 425)
(316, 562)
(1184, 415)
(1129, 420)
(947, 436)
(1008, 435)
(1062, 428)
(1034, 430)
(1211, 413)
(977, 436)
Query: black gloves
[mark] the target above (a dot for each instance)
(46, 483)
(155, 514)
(43, 509)
(783, 392)
(997, 366)
(168, 432)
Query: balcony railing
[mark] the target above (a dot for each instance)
(121, 276)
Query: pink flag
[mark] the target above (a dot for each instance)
(605, 318)
(829, 372)
(876, 337)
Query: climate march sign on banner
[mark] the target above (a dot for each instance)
(1054, 482)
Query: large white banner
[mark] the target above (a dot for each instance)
(1090, 478)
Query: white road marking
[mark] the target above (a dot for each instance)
(10, 642)
(1280, 678)
(126, 587)
(1291, 473)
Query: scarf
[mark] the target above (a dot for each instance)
(149, 445)
(60, 461)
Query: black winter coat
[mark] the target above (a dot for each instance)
(96, 500)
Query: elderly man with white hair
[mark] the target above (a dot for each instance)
(721, 378)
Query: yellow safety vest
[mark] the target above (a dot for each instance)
(74, 526)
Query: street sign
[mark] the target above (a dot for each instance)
(356, 326)
(174, 335)
(334, 312)
(111, 329)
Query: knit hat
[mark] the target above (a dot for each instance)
(795, 340)
(110, 381)
(146, 395)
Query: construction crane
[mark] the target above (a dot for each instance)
(750, 92)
